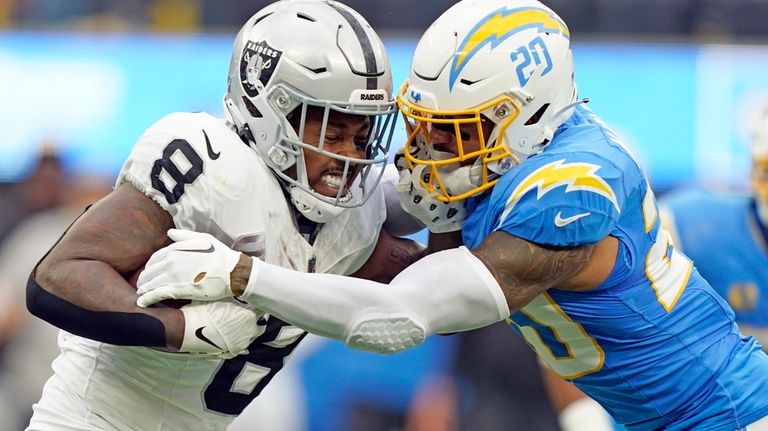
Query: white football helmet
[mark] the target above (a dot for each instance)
(294, 54)
(499, 64)
(759, 145)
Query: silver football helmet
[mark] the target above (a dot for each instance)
(297, 54)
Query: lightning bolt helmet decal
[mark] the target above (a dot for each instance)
(495, 27)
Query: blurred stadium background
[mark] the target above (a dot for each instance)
(81, 79)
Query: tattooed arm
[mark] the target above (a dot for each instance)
(80, 285)
(390, 256)
(449, 291)
(524, 269)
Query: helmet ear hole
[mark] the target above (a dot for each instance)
(537, 115)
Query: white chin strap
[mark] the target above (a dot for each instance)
(456, 179)
(313, 207)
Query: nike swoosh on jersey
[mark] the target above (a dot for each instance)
(199, 334)
(560, 221)
(208, 147)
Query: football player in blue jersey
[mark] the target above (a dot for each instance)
(561, 236)
(737, 267)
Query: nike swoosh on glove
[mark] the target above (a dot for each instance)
(197, 267)
(222, 328)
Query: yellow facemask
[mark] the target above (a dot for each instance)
(439, 165)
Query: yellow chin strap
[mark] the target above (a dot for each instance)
(418, 123)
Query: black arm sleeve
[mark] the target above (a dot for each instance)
(125, 329)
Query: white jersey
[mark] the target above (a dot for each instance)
(203, 174)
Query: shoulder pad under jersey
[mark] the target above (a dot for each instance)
(561, 199)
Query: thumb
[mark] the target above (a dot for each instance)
(178, 235)
(404, 184)
(153, 296)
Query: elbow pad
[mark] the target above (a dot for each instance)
(446, 292)
(385, 333)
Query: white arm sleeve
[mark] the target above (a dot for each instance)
(449, 291)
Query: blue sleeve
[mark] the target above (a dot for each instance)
(561, 200)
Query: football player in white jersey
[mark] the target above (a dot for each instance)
(290, 176)
(562, 239)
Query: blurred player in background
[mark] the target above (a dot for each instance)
(562, 238)
(42, 189)
(725, 235)
(28, 343)
(290, 176)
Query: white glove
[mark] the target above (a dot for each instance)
(222, 328)
(438, 216)
(197, 266)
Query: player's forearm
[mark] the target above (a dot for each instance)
(90, 299)
(80, 286)
(240, 275)
(314, 295)
(450, 291)
(390, 257)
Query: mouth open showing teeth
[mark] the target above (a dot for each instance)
(332, 181)
(331, 185)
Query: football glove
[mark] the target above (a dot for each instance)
(222, 328)
(197, 267)
(437, 216)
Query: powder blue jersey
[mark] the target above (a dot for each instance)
(654, 344)
(723, 237)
